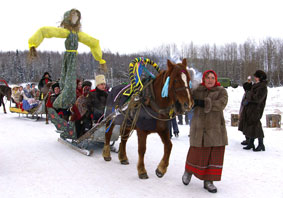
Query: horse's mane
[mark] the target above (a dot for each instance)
(163, 74)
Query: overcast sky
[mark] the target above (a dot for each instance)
(129, 26)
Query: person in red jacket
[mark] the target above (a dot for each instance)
(63, 113)
(79, 89)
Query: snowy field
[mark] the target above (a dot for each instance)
(34, 164)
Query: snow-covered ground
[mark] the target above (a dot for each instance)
(34, 164)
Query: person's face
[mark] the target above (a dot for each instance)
(46, 76)
(21, 88)
(209, 80)
(33, 86)
(28, 86)
(56, 90)
(256, 79)
(101, 86)
(74, 17)
(80, 84)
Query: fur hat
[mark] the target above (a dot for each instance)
(55, 85)
(86, 83)
(99, 79)
(45, 74)
(260, 74)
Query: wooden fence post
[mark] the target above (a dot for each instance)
(273, 120)
(234, 119)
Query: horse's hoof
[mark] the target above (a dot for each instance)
(143, 176)
(125, 162)
(107, 159)
(158, 173)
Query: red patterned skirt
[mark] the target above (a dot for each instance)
(206, 162)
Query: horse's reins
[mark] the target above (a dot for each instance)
(132, 105)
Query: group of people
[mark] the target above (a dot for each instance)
(208, 135)
(82, 113)
(25, 98)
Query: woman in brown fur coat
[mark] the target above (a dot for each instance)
(252, 112)
(208, 135)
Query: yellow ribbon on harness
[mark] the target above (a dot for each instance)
(135, 65)
(171, 113)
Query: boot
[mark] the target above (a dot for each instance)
(246, 141)
(208, 185)
(260, 146)
(250, 145)
(176, 133)
(186, 178)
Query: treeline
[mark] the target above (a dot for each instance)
(236, 61)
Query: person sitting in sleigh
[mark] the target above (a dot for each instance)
(63, 113)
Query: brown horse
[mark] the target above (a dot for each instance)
(153, 116)
(5, 91)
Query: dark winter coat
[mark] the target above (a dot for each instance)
(247, 87)
(42, 82)
(98, 102)
(208, 125)
(252, 112)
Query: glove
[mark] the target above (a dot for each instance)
(103, 67)
(199, 103)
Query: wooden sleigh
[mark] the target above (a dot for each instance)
(34, 113)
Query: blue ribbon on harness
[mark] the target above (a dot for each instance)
(165, 88)
(142, 68)
(108, 128)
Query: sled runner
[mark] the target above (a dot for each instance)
(75, 146)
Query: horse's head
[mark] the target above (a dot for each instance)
(179, 91)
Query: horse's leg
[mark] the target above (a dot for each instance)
(163, 164)
(142, 136)
(122, 155)
(106, 149)
(4, 108)
(2, 101)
